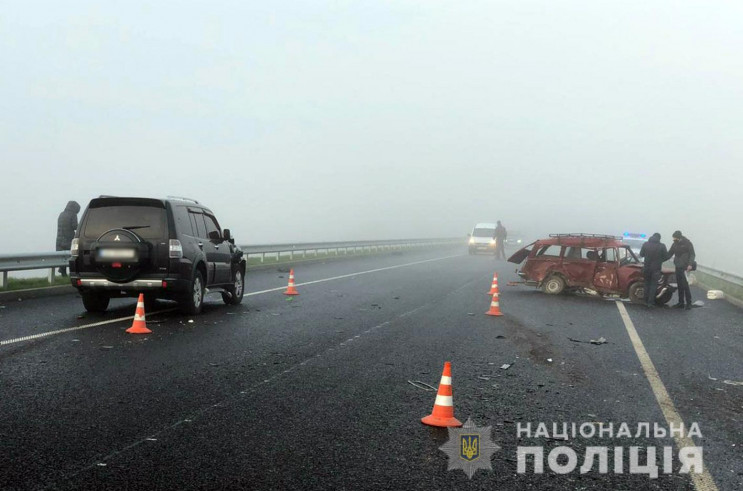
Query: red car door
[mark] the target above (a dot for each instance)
(606, 278)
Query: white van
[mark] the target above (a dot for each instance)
(482, 238)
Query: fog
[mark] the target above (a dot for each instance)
(317, 121)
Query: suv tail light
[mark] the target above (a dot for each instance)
(175, 249)
(75, 247)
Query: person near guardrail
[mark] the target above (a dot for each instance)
(66, 226)
(684, 259)
(500, 241)
(654, 251)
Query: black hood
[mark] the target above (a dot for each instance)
(72, 206)
(654, 238)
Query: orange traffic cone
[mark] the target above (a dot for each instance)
(290, 290)
(139, 326)
(443, 408)
(494, 304)
(494, 286)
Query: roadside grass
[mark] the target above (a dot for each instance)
(26, 283)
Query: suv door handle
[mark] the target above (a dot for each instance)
(201, 245)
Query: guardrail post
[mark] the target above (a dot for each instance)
(50, 276)
(291, 255)
(263, 256)
(4, 279)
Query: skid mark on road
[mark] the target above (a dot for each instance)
(250, 294)
(703, 481)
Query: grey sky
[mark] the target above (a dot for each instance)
(360, 120)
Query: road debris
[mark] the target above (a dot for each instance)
(506, 366)
(715, 294)
(549, 360)
(190, 321)
(698, 303)
(600, 340)
(500, 337)
(421, 385)
(733, 382)
(470, 314)
(107, 347)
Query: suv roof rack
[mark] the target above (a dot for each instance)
(107, 196)
(183, 199)
(593, 236)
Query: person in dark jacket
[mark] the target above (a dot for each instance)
(684, 257)
(500, 241)
(654, 251)
(66, 226)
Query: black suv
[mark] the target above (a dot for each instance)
(165, 248)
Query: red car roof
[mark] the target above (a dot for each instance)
(582, 240)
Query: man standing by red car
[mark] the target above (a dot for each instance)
(684, 259)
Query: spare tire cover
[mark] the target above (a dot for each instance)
(119, 255)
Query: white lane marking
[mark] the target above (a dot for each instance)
(76, 328)
(353, 274)
(120, 319)
(701, 481)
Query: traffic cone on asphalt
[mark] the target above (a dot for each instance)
(494, 286)
(139, 326)
(494, 304)
(290, 290)
(443, 407)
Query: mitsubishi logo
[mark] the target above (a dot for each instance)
(117, 238)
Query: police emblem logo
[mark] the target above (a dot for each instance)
(470, 448)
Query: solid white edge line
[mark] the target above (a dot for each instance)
(703, 481)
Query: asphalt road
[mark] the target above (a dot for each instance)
(313, 393)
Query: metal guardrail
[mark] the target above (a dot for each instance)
(53, 260)
(25, 262)
(313, 249)
(731, 284)
(722, 275)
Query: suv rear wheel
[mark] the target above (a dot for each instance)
(554, 285)
(94, 301)
(235, 292)
(193, 299)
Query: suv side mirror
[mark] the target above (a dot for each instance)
(226, 235)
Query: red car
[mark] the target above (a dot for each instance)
(602, 263)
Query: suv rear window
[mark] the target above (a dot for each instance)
(146, 221)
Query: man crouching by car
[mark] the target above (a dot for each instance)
(684, 259)
(654, 251)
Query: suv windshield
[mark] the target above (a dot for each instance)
(484, 232)
(146, 221)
